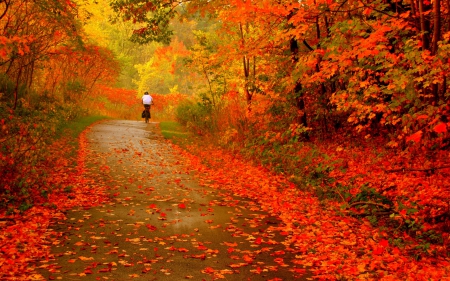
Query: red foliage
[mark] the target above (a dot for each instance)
(118, 96)
(24, 236)
(322, 238)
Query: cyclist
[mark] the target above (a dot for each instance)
(147, 100)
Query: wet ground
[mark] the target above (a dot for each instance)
(160, 223)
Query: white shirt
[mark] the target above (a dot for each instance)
(147, 99)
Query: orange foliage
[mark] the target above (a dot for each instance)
(162, 102)
(87, 67)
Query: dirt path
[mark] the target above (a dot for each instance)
(161, 224)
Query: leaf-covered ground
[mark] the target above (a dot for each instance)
(158, 223)
(330, 243)
(25, 238)
(133, 210)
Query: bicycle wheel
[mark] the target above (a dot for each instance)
(147, 115)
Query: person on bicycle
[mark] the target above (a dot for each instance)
(147, 100)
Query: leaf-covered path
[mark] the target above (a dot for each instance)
(139, 208)
(161, 223)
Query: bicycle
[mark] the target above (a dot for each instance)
(147, 115)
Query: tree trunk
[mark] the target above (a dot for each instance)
(436, 38)
(16, 89)
(416, 18)
(436, 26)
(299, 100)
(424, 26)
(246, 65)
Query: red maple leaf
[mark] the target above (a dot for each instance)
(415, 137)
(151, 227)
(384, 243)
(440, 128)
(208, 270)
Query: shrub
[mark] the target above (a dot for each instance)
(197, 116)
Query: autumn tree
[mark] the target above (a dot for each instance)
(73, 72)
(30, 30)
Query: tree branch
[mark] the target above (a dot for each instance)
(370, 203)
(307, 45)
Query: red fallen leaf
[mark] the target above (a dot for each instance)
(152, 206)
(396, 251)
(182, 206)
(415, 137)
(378, 251)
(422, 117)
(278, 253)
(151, 227)
(440, 128)
(299, 270)
(384, 243)
(202, 256)
(202, 247)
(237, 265)
(181, 250)
(88, 271)
(108, 269)
(230, 250)
(208, 270)
(248, 259)
(230, 244)
(211, 251)
(258, 241)
(172, 248)
(163, 214)
(258, 270)
(278, 260)
(209, 221)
